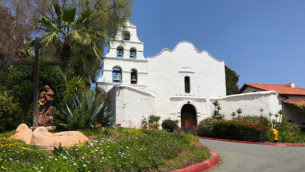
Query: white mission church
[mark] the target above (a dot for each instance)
(180, 84)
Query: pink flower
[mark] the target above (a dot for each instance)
(26, 163)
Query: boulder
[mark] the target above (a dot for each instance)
(24, 133)
(42, 138)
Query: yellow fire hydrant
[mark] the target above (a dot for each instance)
(275, 134)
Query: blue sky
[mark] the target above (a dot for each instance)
(262, 40)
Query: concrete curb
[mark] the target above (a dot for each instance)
(207, 164)
(259, 143)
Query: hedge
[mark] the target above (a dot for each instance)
(236, 130)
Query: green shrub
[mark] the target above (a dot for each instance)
(85, 111)
(9, 113)
(170, 125)
(241, 131)
(76, 86)
(153, 121)
(253, 119)
(289, 132)
(206, 127)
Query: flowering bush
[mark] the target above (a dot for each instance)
(188, 130)
(206, 127)
(241, 131)
(13, 152)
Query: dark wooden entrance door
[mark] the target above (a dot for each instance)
(188, 116)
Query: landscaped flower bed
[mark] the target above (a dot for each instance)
(250, 128)
(110, 150)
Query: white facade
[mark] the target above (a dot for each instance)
(178, 84)
(160, 88)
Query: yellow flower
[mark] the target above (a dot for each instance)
(3, 168)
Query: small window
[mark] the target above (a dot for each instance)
(120, 52)
(133, 53)
(126, 35)
(187, 84)
(116, 75)
(134, 76)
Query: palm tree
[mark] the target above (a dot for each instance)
(281, 114)
(69, 30)
(261, 110)
(270, 114)
(239, 111)
(276, 116)
(233, 114)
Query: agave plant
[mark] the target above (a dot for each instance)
(86, 110)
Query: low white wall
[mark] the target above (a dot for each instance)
(250, 103)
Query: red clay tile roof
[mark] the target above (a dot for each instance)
(297, 102)
(279, 88)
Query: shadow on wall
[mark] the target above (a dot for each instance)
(295, 114)
(111, 99)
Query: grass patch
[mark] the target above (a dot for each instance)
(7, 133)
(110, 150)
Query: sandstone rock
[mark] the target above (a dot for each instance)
(42, 138)
(46, 140)
(49, 128)
(24, 133)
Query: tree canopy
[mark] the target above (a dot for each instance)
(231, 81)
(103, 20)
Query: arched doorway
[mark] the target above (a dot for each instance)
(188, 116)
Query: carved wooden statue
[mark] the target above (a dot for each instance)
(44, 117)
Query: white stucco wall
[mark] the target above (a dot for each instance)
(250, 103)
(131, 105)
(163, 77)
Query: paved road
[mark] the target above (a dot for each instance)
(240, 157)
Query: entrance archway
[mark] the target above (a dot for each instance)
(188, 116)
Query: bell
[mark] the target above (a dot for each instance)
(116, 78)
(133, 78)
(120, 53)
(132, 54)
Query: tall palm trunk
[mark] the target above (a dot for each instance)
(65, 55)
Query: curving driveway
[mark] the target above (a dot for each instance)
(241, 157)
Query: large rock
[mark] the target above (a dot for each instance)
(42, 138)
(24, 133)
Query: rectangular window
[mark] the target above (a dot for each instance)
(187, 84)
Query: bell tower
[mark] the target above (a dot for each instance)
(124, 63)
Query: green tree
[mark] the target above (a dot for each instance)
(9, 113)
(80, 30)
(231, 81)
(69, 30)
(13, 32)
(19, 85)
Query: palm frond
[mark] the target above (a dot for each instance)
(46, 23)
(69, 14)
(84, 16)
(49, 37)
